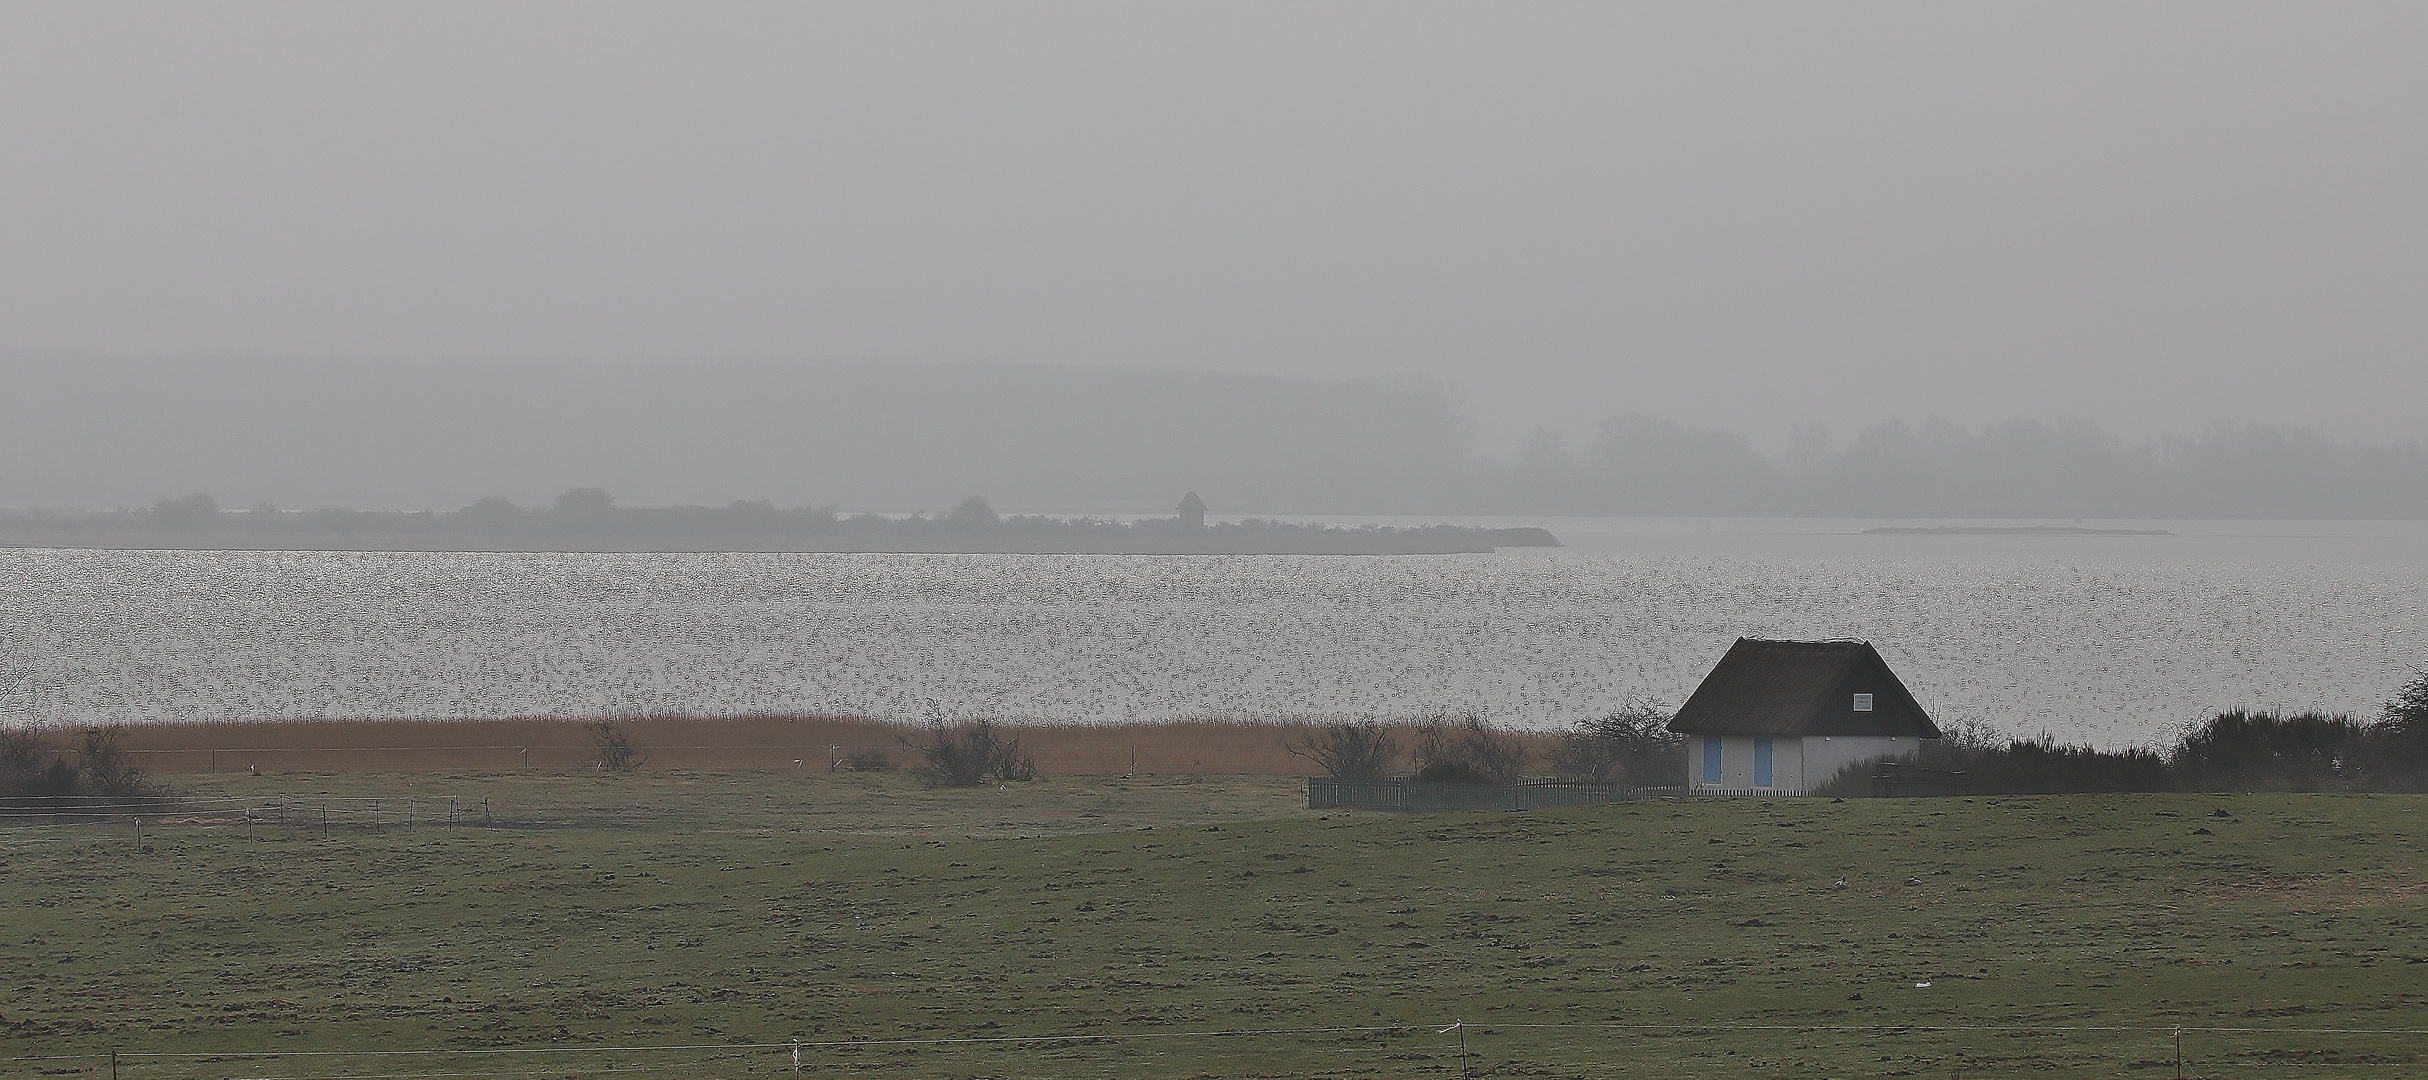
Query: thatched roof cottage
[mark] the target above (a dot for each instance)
(1783, 717)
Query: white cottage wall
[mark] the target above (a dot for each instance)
(1737, 763)
(1827, 755)
(1797, 765)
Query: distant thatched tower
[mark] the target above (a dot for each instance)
(1192, 511)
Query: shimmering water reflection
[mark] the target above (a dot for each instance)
(2102, 642)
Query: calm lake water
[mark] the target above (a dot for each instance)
(2108, 639)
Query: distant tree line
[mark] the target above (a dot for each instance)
(97, 432)
(587, 516)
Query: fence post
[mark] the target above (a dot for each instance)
(113, 1065)
(2179, 1054)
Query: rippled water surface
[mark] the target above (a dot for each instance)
(2108, 639)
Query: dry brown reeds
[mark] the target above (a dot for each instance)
(752, 741)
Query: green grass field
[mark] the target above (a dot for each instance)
(1212, 927)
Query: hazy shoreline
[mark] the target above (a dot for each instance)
(587, 520)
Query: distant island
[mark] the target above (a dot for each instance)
(587, 519)
(2008, 530)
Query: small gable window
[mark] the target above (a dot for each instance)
(1863, 703)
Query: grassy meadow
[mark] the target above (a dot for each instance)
(1183, 926)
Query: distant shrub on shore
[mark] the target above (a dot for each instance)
(32, 767)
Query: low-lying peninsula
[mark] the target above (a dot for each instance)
(589, 520)
(2007, 530)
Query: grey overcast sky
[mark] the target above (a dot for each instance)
(2153, 216)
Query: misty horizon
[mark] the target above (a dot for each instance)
(2155, 219)
(115, 433)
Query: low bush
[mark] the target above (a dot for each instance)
(1467, 751)
(2240, 751)
(2394, 755)
(2019, 767)
(2247, 751)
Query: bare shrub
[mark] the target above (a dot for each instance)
(971, 754)
(1633, 745)
(30, 767)
(105, 767)
(1467, 751)
(1359, 751)
(615, 749)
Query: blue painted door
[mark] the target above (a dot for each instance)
(1761, 762)
(1711, 760)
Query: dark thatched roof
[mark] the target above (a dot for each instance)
(1798, 688)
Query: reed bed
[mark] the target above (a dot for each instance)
(760, 742)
